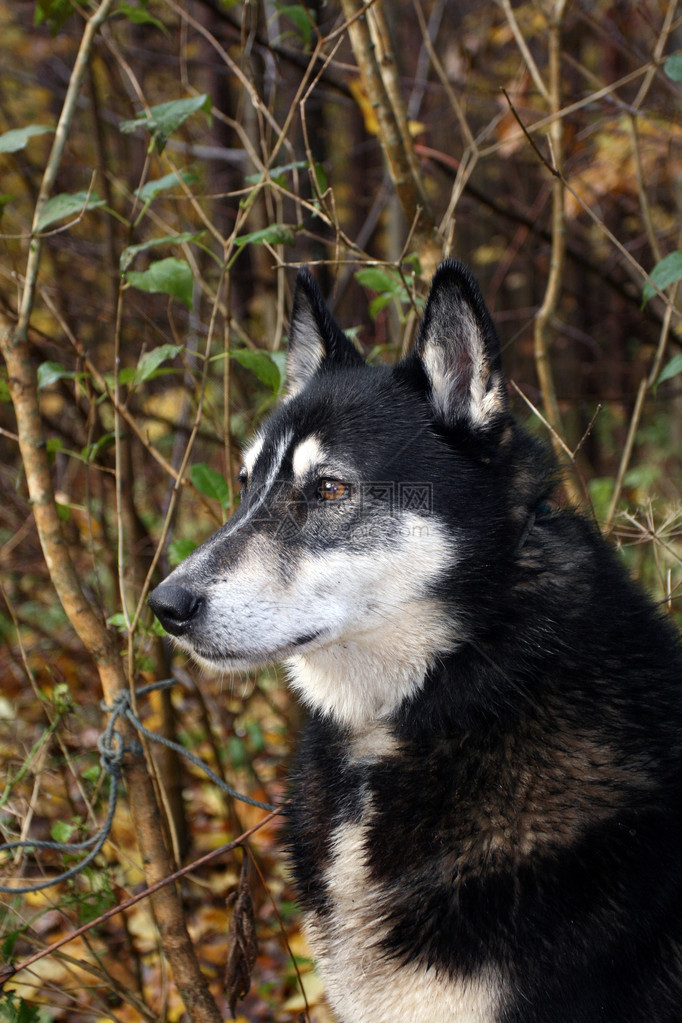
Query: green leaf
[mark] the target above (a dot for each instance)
(92, 774)
(5, 199)
(62, 831)
(118, 621)
(67, 205)
(236, 751)
(302, 19)
(275, 234)
(277, 173)
(5, 394)
(128, 254)
(153, 188)
(667, 271)
(140, 16)
(256, 738)
(54, 12)
(673, 67)
(280, 360)
(178, 550)
(150, 361)
(14, 140)
(642, 476)
(91, 451)
(671, 370)
(601, 490)
(164, 119)
(13, 1009)
(8, 944)
(262, 364)
(321, 177)
(50, 372)
(413, 262)
(376, 279)
(378, 303)
(211, 483)
(169, 276)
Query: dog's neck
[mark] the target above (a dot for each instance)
(359, 680)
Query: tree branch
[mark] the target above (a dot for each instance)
(87, 622)
(378, 81)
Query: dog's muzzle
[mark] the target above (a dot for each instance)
(175, 607)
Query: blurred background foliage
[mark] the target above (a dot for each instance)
(216, 146)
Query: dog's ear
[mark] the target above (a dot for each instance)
(460, 352)
(316, 342)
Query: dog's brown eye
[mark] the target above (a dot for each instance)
(332, 490)
(243, 478)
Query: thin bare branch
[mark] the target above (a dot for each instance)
(396, 143)
(525, 52)
(645, 384)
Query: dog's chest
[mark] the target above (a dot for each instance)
(350, 941)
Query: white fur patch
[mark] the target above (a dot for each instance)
(250, 456)
(361, 984)
(273, 473)
(445, 371)
(192, 567)
(357, 628)
(383, 630)
(371, 744)
(306, 351)
(308, 454)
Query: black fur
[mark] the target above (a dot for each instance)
(560, 717)
(507, 837)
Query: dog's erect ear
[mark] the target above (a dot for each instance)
(460, 352)
(316, 342)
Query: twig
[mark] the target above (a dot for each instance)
(641, 272)
(547, 310)
(523, 47)
(54, 160)
(560, 442)
(645, 383)
(120, 407)
(641, 188)
(396, 145)
(183, 465)
(658, 53)
(586, 101)
(588, 430)
(86, 621)
(8, 971)
(443, 78)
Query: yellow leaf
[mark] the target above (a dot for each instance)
(165, 406)
(366, 109)
(368, 115)
(314, 991)
(299, 945)
(143, 928)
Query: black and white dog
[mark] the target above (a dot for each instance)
(486, 815)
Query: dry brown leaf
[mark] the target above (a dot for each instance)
(242, 941)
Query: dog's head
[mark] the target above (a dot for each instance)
(374, 508)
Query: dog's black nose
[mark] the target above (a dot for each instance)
(174, 606)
